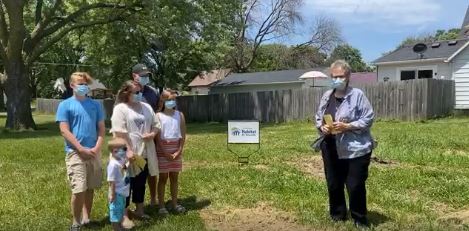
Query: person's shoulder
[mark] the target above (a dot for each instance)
(113, 163)
(356, 91)
(120, 106)
(147, 106)
(327, 94)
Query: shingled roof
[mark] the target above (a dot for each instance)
(435, 50)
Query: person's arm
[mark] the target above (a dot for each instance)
(70, 138)
(319, 123)
(183, 135)
(119, 129)
(154, 129)
(101, 130)
(365, 117)
(112, 189)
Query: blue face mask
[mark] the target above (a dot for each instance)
(138, 97)
(144, 80)
(338, 84)
(171, 104)
(121, 154)
(82, 90)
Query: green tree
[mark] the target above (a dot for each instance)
(175, 38)
(29, 29)
(438, 35)
(273, 57)
(351, 55)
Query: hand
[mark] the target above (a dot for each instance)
(112, 197)
(326, 129)
(130, 155)
(85, 153)
(148, 136)
(341, 127)
(169, 156)
(96, 150)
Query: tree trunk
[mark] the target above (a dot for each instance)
(2, 99)
(18, 92)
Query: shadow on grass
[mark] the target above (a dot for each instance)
(376, 218)
(190, 203)
(47, 129)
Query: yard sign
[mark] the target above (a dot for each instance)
(243, 132)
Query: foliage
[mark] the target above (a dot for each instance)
(351, 55)
(273, 57)
(438, 35)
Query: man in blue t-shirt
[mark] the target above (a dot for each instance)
(141, 74)
(81, 122)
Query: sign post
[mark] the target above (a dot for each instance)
(243, 132)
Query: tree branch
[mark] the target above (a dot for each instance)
(38, 13)
(44, 22)
(3, 28)
(42, 48)
(75, 15)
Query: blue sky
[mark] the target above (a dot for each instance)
(377, 26)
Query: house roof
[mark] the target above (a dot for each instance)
(405, 53)
(269, 77)
(364, 77)
(206, 79)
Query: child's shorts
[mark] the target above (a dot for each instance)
(116, 209)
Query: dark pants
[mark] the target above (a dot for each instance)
(349, 172)
(137, 187)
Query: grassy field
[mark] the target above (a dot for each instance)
(420, 181)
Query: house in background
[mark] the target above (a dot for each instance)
(201, 84)
(282, 80)
(441, 60)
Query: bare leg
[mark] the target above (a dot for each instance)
(77, 201)
(87, 205)
(161, 188)
(116, 226)
(152, 185)
(173, 180)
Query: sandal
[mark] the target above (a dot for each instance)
(75, 228)
(163, 211)
(179, 209)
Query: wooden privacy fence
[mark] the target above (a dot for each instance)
(49, 106)
(404, 100)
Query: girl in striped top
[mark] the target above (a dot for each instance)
(170, 143)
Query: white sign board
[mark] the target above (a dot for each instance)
(244, 132)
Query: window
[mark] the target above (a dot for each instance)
(406, 75)
(426, 72)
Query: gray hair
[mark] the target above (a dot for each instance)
(342, 64)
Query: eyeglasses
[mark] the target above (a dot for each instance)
(124, 149)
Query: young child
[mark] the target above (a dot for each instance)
(119, 181)
(170, 143)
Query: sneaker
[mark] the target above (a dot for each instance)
(163, 211)
(128, 224)
(179, 209)
(75, 227)
(362, 225)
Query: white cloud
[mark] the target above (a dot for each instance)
(386, 13)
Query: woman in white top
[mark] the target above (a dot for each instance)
(136, 122)
(170, 144)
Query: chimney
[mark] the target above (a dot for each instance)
(465, 26)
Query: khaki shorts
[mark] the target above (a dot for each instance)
(83, 174)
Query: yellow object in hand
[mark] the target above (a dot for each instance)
(329, 121)
(140, 162)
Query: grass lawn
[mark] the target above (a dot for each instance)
(421, 181)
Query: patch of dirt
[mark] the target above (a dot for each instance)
(460, 217)
(311, 166)
(261, 217)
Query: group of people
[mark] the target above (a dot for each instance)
(148, 136)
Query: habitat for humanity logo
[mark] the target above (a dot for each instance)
(243, 132)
